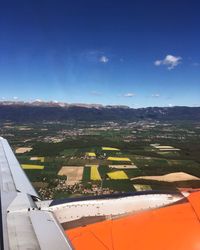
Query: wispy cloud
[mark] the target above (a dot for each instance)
(155, 95)
(95, 93)
(170, 61)
(95, 56)
(196, 64)
(129, 95)
(104, 59)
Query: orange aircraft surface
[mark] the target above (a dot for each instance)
(173, 227)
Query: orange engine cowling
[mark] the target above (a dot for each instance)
(174, 227)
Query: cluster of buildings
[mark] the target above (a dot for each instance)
(49, 193)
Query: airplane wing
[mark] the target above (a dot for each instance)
(23, 224)
(139, 220)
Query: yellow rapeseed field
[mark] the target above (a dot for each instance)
(117, 175)
(110, 149)
(31, 166)
(94, 173)
(118, 159)
(91, 154)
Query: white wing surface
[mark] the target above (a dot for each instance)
(22, 224)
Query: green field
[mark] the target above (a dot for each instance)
(133, 141)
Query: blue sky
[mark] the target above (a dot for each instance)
(135, 53)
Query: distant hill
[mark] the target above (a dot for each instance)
(40, 111)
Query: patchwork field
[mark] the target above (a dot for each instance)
(37, 158)
(140, 187)
(121, 159)
(74, 174)
(108, 158)
(90, 154)
(32, 166)
(173, 177)
(117, 175)
(110, 149)
(23, 150)
(94, 174)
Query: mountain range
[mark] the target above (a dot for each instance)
(54, 111)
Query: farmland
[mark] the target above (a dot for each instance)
(73, 173)
(94, 174)
(32, 166)
(73, 159)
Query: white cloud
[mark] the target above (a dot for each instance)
(103, 59)
(129, 95)
(38, 100)
(155, 95)
(95, 56)
(170, 61)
